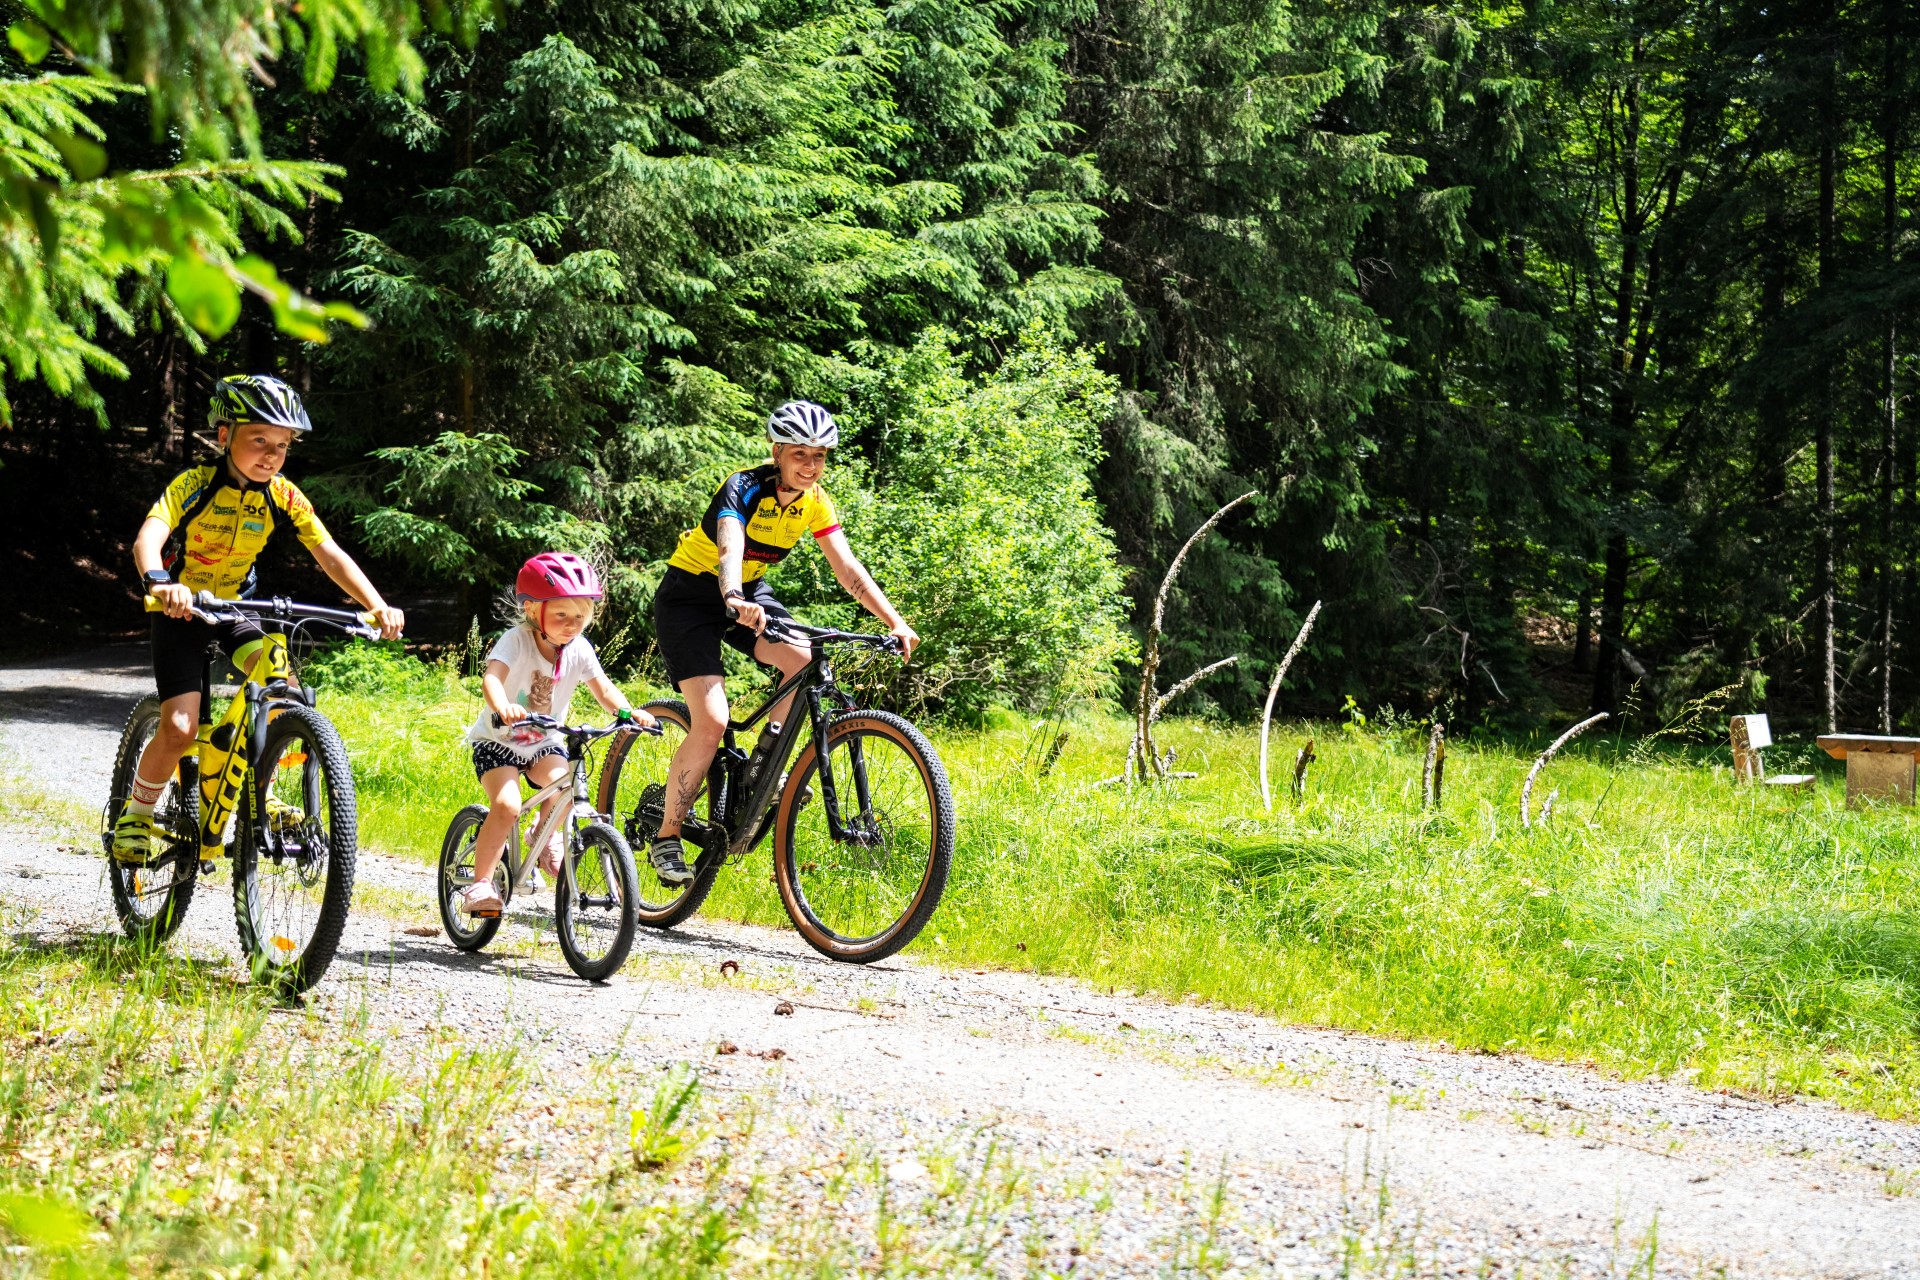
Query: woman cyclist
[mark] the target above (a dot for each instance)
(715, 592)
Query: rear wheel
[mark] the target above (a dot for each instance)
(151, 901)
(633, 790)
(593, 903)
(469, 933)
(863, 897)
(293, 872)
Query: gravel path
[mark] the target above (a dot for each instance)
(1151, 1136)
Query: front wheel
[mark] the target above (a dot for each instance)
(866, 895)
(151, 901)
(293, 870)
(593, 903)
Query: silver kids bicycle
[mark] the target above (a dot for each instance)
(596, 892)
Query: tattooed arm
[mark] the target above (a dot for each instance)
(858, 583)
(731, 540)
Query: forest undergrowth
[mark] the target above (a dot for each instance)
(1661, 922)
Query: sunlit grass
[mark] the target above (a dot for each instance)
(158, 1117)
(1663, 921)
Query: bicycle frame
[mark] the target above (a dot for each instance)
(745, 821)
(227, 749)
(520, 857)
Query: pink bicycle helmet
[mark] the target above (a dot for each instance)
(557, 575)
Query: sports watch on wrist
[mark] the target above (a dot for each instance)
(733, 593)
(155, 578)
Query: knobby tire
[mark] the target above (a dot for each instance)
(298, 725)
(799, 797)
(612, 869)
(623, 777)
(150, 916)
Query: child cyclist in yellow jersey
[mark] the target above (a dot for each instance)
(203, 535)
(534, 668)
(753, 521)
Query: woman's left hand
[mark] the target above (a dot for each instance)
(909, 639)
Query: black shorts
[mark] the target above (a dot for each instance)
(488, 756)
(180, 650)
(690, 620)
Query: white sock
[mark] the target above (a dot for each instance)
(143, 795)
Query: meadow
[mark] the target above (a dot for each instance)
(1662, 922)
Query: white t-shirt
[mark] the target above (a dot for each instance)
(534, 683)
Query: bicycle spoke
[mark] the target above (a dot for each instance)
(152, 900)
(593, 903)
(860, 885)
(292, 868)
(639, 803)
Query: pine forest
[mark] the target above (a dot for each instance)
(1566, 347)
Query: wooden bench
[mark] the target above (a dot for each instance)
(1751, 735)
(1878, 768)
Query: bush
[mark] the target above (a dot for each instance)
(975, 511)
(357, 666)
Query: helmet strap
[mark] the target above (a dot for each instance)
(559, 647)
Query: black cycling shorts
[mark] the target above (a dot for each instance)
(690, 620)
(180, 650)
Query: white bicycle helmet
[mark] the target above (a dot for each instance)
(803, 422)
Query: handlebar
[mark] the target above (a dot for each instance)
(211, 608)
(778, 629)
(582, 732)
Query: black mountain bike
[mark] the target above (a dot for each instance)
(862, 830)
(268, 783)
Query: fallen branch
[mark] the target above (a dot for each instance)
(1273, 691)
(1526, 788)
(1142, 748)
(1160, 703)
(1119, 778)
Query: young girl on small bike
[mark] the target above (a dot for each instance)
(534, 667)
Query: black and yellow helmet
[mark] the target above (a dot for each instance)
(246, 399)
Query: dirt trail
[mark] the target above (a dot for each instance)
(1500, 1164)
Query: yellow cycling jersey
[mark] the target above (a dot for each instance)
(753, 498)
(222, 526)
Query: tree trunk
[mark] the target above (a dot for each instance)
(1583, 630)
(1623, 409)
(1890, 355)
(1823, 428)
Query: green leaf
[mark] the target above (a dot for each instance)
(293, 311)
(30, 40)
(44, 1222)
(205, 294)
(86, 159)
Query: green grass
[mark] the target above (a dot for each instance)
(157, 1117)
(1662, 922)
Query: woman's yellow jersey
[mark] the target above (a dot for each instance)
(753, 498)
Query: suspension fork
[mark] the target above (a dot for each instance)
(829, 791)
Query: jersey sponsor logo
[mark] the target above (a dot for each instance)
(253, 526)
(225, 511)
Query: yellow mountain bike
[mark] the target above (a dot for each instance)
(270, 783)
